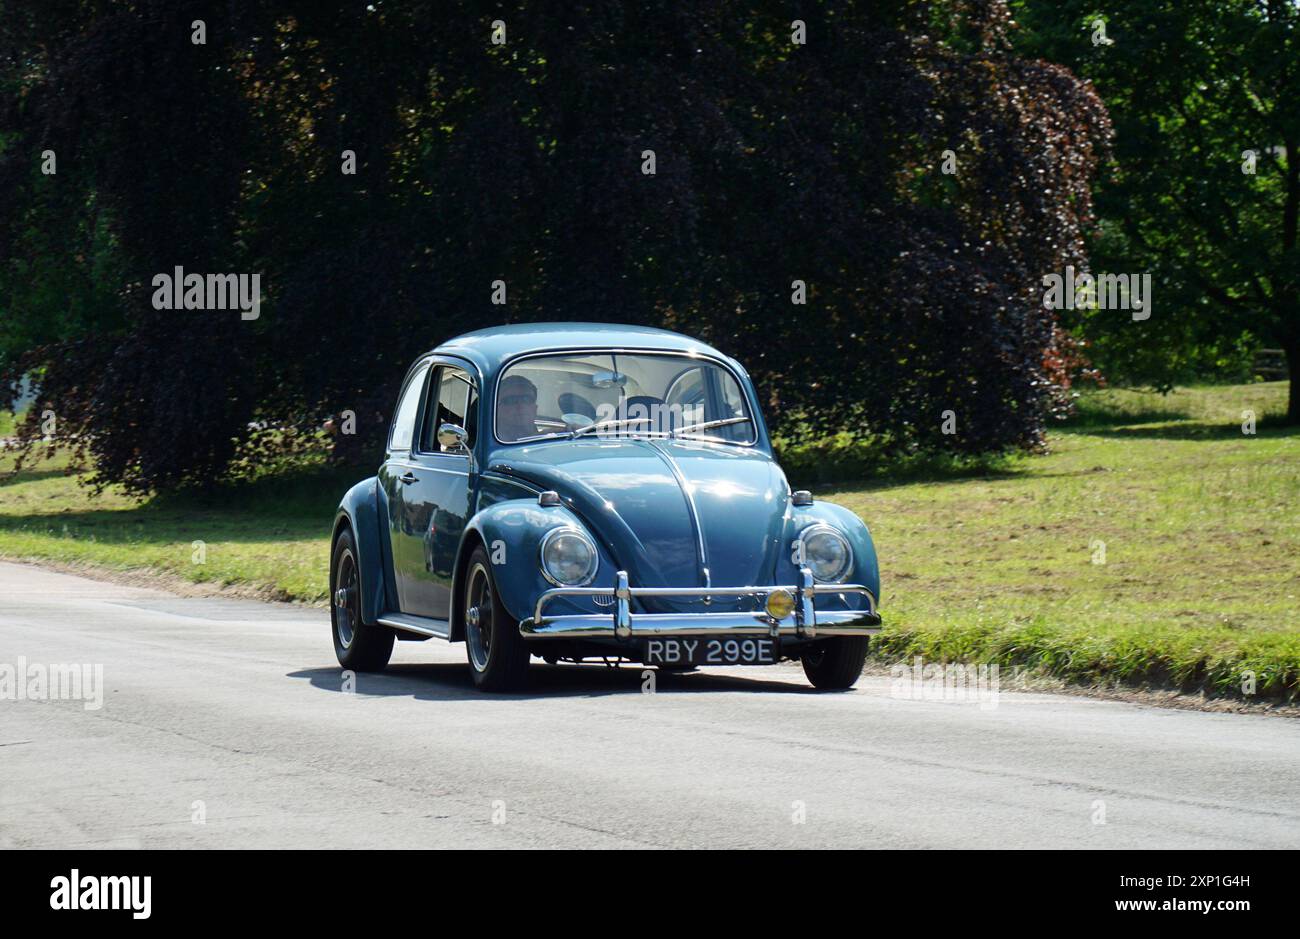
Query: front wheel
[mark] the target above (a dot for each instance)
(836, 663)
(364, 647)
(498, 655)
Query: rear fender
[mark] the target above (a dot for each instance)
(360, 510)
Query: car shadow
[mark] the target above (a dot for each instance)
(442, 681)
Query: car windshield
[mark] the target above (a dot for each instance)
(617, 394)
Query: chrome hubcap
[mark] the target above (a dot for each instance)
(478, 617)
(345, 616)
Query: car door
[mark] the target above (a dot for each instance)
(397, 475)
(434, 496)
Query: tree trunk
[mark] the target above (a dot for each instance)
(1292, 350)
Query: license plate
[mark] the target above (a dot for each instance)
(710, 650)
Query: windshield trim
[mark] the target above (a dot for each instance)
(628, 350)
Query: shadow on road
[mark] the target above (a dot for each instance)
(443, 681)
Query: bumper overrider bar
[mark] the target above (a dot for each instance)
(806, 622)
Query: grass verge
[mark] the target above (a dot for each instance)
(1155, 544)
(270, 536)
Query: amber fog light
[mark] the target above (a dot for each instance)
(780, 604)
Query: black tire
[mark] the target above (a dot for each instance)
(497, 654)
(836, 664)
(360, 646)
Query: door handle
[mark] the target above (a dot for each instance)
(406, 478)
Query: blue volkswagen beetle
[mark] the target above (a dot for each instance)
(579, 491)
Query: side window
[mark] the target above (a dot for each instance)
(403, 429)
(454, 400)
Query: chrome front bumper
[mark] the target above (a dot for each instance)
(806, 622)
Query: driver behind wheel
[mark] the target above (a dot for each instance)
(516, 408)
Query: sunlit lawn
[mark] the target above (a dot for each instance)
(273, 534)
(1156, 541)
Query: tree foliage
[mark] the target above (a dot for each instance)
(1204, 189)
(522, 162)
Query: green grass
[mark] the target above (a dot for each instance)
(271, 535)
(983, 562)
(1200, 576)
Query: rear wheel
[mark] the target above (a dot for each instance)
(498, 655)
(365, 647)
(836, 663)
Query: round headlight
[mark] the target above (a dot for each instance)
(568, 557)
(826, 553)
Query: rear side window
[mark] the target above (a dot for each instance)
(403, 429)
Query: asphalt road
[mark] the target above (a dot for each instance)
(224, 723)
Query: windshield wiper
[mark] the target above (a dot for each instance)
(709, 425)
(611, 422)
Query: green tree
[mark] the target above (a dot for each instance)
(1204, 189)
(777, 160)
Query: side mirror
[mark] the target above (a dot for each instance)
(453, 437)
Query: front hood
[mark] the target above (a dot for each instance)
(668, 509)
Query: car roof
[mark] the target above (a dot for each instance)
(490, 348)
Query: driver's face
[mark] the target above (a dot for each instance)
(518, 414)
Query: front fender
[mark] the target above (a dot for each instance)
(512, 532)
(866, 568)
(360, 510)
